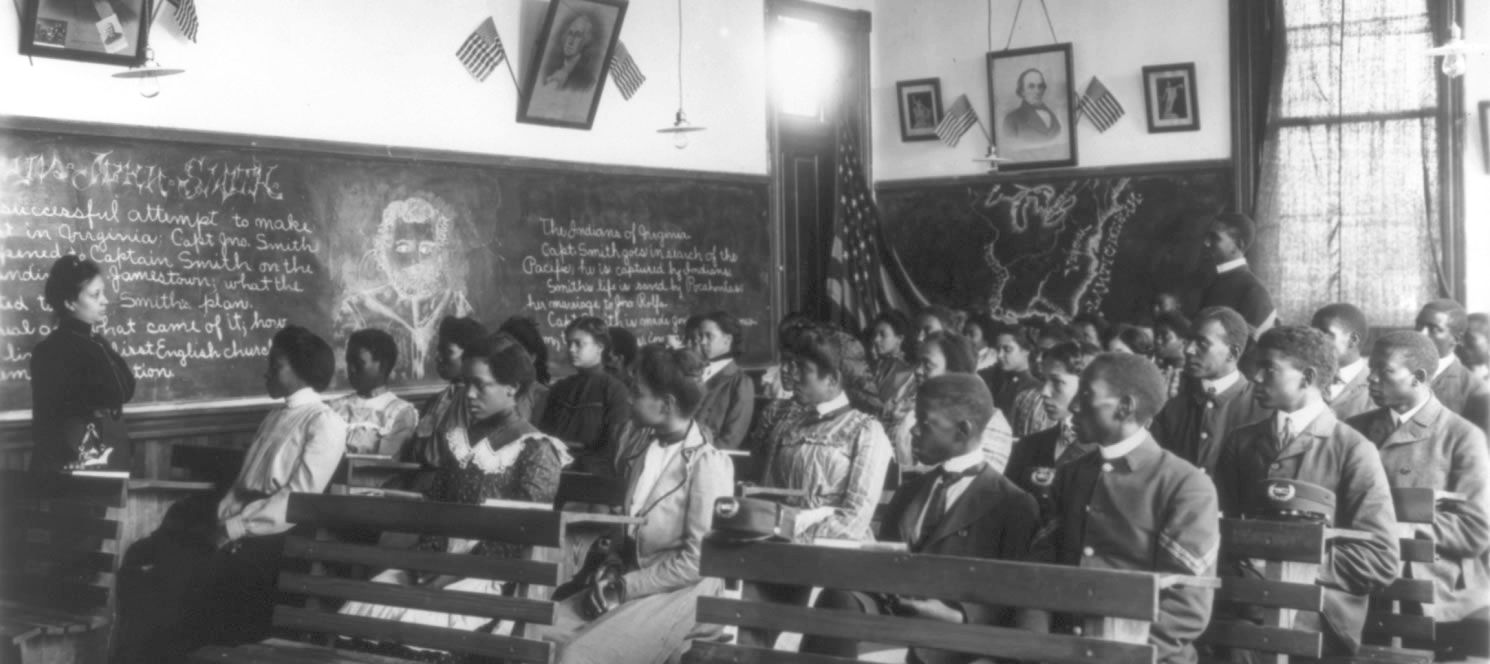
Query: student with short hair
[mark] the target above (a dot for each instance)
(1425, 445)
(1131, 340)
(1304, 441)
(1171, 329)
(1444, 323)
(207, 575)
(1134, 505)
(934, 318)
(963, 507)
(378, 421)
(979, 330)
(588, 409)
(1036, 457)
(1091, 327)
(1347, 329)
(729, 394)
(640, 606)
(1015, 389)
(447, 410)
(1227, 240)
(1216, 398)
(946, 353)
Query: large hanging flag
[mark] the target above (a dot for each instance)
(958, 119)
(865, 276)
(624, 72)
(186, 17)
(1099, 106)
(482, 51)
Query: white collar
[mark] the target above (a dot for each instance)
(1444, 363)
(1223, 383)
(378, 400)
(1300, 418)
(302, 397)
(1400, 418)
(1125, 446)
(1348, 372)
(715, 367)
(1231, 265)
(963, 462)
(693, 438)
(833, 404)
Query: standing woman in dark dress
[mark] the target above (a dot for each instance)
(79, 383)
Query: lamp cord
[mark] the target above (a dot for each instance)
(680, 56)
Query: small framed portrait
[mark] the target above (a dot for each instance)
(1169, 98)
(1033, 110)
(920, 103)
(570, 63)
(106, 31)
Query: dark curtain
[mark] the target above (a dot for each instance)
(1259, 54)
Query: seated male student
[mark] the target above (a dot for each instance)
(1134, 505)
(1033, 462)
(1346, 327)
(207, 575)
(1423, 444)
(1444, 322)
(963, 507)
(1215, 398)
(1474, 346)
(1304, 441)
(378, 422)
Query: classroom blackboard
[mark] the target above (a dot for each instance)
(1053, 246)
(211, 243)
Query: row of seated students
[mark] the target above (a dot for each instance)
(207, 575)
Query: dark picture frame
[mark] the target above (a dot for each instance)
(920, 104)
(1485, 133)
(1032, 104)
(571, 60)
(75, 30)
(1169, 98)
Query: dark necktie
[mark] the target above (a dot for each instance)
(936, 507)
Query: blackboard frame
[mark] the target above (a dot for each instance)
(213, 416)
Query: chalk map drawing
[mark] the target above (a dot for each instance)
(1053, 249)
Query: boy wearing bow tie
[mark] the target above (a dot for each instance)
(1305, 441)
(963, 507)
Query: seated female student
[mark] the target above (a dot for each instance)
(979, 330)
(588, 409)
(946, 353)
(640, 606)
(525, 331)
(729, 395)
(895, 379)
(532, 396)
(1015, 389)
(772, 380)
(378, 422)
(446, 410)
(505, 457)
(207, 576)
(837, 455)
(620, 355)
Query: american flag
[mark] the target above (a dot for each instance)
(186, 18)
(956, 122)
(482, 51)
(1098, 105)
(624, 72)
(865, 276)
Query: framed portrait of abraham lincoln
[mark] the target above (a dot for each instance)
(1033, 116)
(571, 58)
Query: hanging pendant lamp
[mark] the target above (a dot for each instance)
(149, 74)
(1456, 52)
(680, 128)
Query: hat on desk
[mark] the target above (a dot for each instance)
(1295, 500)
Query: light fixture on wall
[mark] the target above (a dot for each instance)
(1456, 52)
(149, 74)
(992, 159)
(680, 128)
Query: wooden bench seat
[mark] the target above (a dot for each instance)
(324, 590)
(1117, 607)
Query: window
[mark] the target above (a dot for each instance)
(1348, 207)
(804, 68)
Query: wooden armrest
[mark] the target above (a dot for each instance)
(737, 453)
(1347, 534)
(598, 517)
(1450, 497)
(769, 492)
(177, 485)
(517, 504)
(1187, 581)
(343, 489)
(837, 543)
